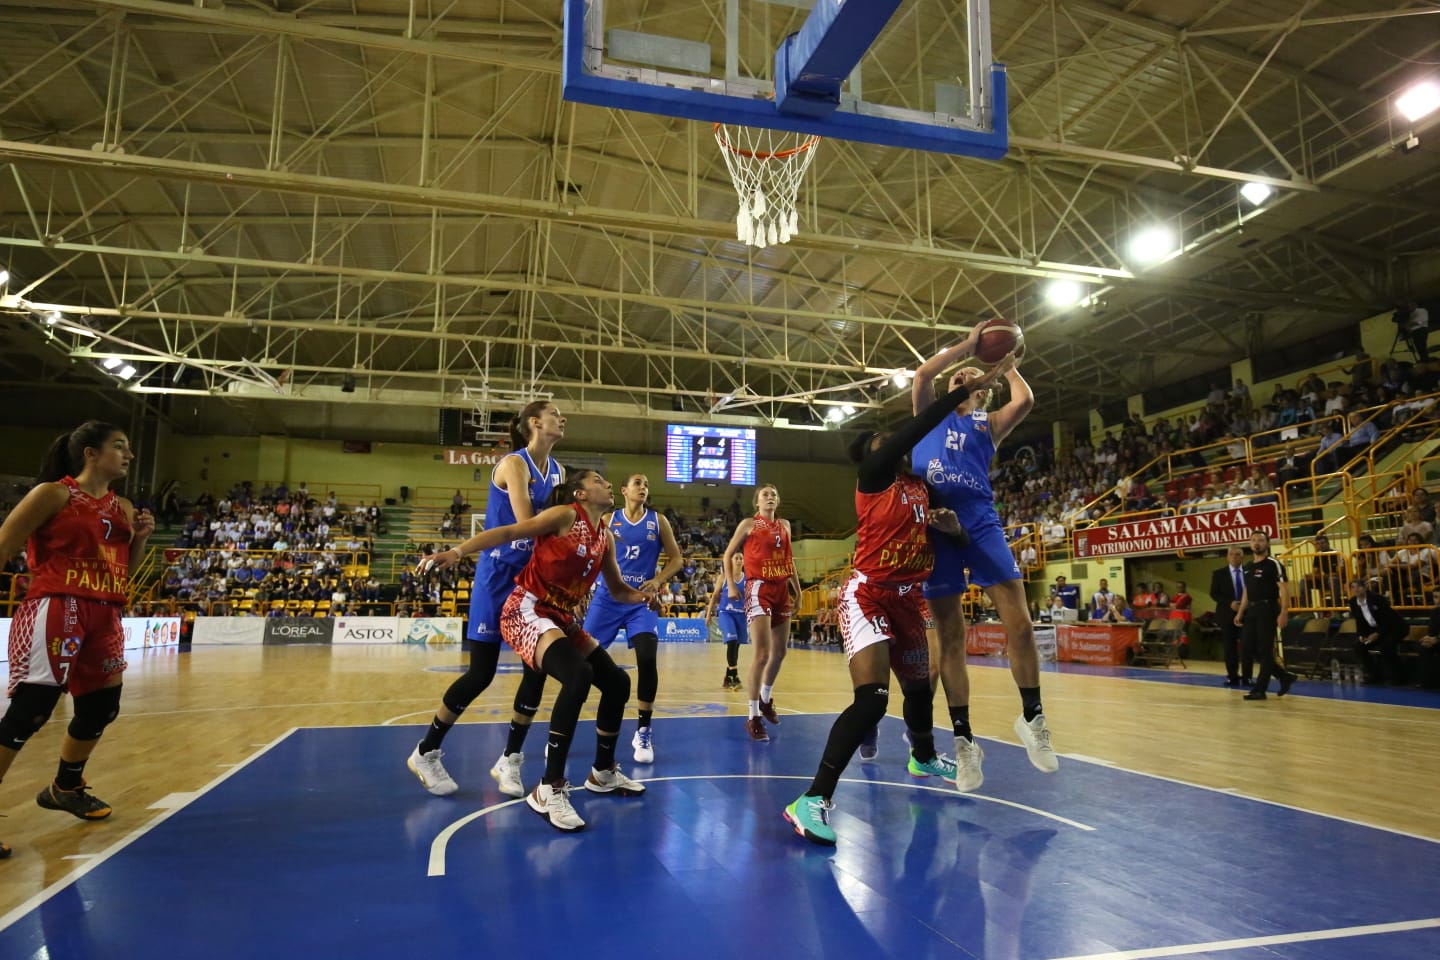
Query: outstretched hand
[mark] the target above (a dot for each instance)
(438, 561)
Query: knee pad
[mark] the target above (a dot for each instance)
(919, 704)
(477, 677)
(528, 694)
(29, 709)
(871, 702)
(93, 713)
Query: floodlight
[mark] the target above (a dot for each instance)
(901, 379)
(4, 276)
(125, 372)
(848, 410)
(1420, 100)
(110, 363)
(1063, 293)
(1256, 193)
(1150, 244)
(834, 415)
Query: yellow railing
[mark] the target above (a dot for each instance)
(352, 494)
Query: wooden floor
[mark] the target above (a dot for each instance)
(187, 717)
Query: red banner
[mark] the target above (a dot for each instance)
(1191, 531)
(1105, 644)
(985, 640)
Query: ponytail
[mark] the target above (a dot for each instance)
(564, 493)
(66, 456)
(520, 423)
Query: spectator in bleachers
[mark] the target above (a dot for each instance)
(1326, 577)
(1414, 570)
(1161, 598)
(1328, 451)
(1372, 564)
(1420, 500)
(1414, 523)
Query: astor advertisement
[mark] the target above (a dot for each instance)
(1191, 531)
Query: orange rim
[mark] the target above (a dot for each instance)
(809, 142)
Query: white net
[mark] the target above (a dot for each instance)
(766, 167)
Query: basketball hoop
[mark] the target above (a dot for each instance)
(766, 167)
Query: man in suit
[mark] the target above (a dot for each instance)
(1380, 631)
(1227, 586)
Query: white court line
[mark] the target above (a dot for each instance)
(438, 845)
(125, 841)
(1306, 936)
(172, 800)
(1233, 791)
(1098, 761)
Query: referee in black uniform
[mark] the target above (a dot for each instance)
(1264, 610)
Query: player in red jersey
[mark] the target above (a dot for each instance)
(881, 613)
(771, 589)
(66, 636)
(572, 548)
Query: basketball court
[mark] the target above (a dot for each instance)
(1227, 833)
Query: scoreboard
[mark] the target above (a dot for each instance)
(710, 455)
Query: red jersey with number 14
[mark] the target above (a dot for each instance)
(562, 569)
(892, 542)
(767, 551)
(82, 551)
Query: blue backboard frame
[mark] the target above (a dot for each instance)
(586, 79)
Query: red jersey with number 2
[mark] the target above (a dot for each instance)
(82, 551)
(892, 542)
(562, 569)
(767, 551)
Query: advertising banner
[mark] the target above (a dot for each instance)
(227, 631)
(1191, 531)
(298, 629)
(1110, 644)
(985, 640)
(366, 630)
(430, 630)
(141, 633)
(684, 630)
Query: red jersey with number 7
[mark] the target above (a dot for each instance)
(892, 541)
(767, 551)
(82, 551)
(562, 569)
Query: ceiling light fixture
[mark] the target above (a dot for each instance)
(1063, 293)
(4, 276)
(834, 415)
(110, 363)
(1256, 193)
(902, 379)
(1420, 100)
(1151, 244)
(125, 372)
(53, 317)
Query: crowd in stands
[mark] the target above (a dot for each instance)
(1037, 491)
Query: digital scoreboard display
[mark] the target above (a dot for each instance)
(710, 454)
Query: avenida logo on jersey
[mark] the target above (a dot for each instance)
(935, 472)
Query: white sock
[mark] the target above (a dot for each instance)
(765, 692)
(754, 709)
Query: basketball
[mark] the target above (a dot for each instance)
(998, 338)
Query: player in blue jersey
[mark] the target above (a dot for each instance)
(641, 535)
(520, 485)
(731, 613)
(954, 459)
